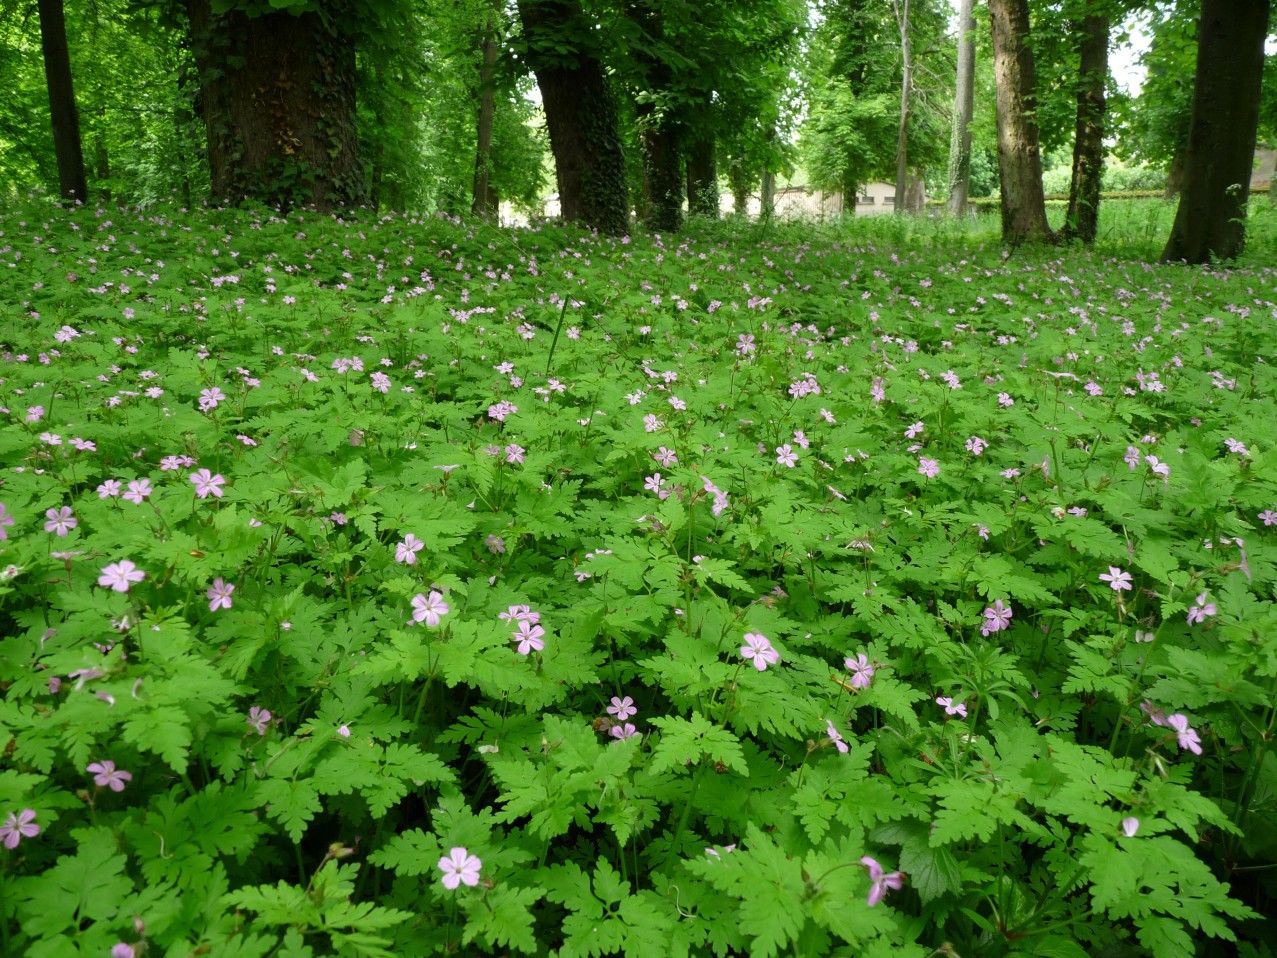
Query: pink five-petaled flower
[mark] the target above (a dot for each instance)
(622, 708)
(106, 775)
(530, 637)
(258, 719)
(1201, 610)
(406, 551)
(996, 618)
(1130, 825)
(138, 490)
(17, 826)
(1188, 739)
(429, 608)
(5, 521)
(459, 867)
(928, 467)
(122, 949)
(861, 669)
(206, 484)
(1118, 580)
(61, 521)
(836, 737)
(880, 881)
(219, 594)
(785, 456)
(950, 707)
(760, 650)
(118, 576)
(623, 731)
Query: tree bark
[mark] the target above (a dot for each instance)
(901, 8)
(963, 107)
(767, 198)
(1019, 155)
(1175, 175)
(65, 121)
(580, 112)
(738, 179)
(702, 176)
(1210, 221)
(484, 200)
(663, 168)
(277, 94)
(1081, 221)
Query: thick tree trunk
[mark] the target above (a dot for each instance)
(1082, 219)
(738, 179)
(963, 107)
(702, 177)
(901, 8)
(1175, 174)
(1019, 156)
(663, 169)
(1209, 224)
(66, 123)
(277, 94)
(483, 199)
(767, 199)
(580, 112)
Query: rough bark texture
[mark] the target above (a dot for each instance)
(901, 8)
(702, 177)
(1019, 156)
(1081, 221)
(484, 201)
(1209, 224)
(66, 122)
(277, 96)
(963, 107)
(663, 170)
(580, 112)
(738, 180)
(1175, 174)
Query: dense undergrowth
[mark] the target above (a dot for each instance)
(396, 586)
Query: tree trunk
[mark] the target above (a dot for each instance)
(277, 94)
(901, 8)
(484, 201)
(1209, 224)
(1082, 219)
(65, 121)
(738, 179)
(580, 112)
(1019, 156)
(767, 200)
(963, 107)
(663, 168)
(702, 177)
(1175, 175)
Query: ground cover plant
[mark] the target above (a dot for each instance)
(392, 586)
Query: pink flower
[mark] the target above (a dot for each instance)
(879, 882)
(623, 731)
(495, 544)
(258, 719)
(109, 489)
(406, 551)
(139, 489)
(17, 826)
(758, 649)
(61, 521)
(914, 431)
(928, 467)
(1130, 826)
(1201, 610)
(122, 949)
(862, 671)
(530, 638)
(836, 737)
(219, 594)
(459, 867)
(1268, 517)
(785, 456)
(6, 520)
(209, 398)
(976, 445)
(120, 575)
(106, 775)
(1184, 734)
(665, 457)
(622, 708)
(520, 613)
(950, 707)
(207, 484)
(1117, 579)
(996, 618)
(381, 383)
(429, 608)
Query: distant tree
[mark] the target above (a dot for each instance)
(65, 120)
(1091, 33)
(963, 104)
(1019, 153)
(1210, 221)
